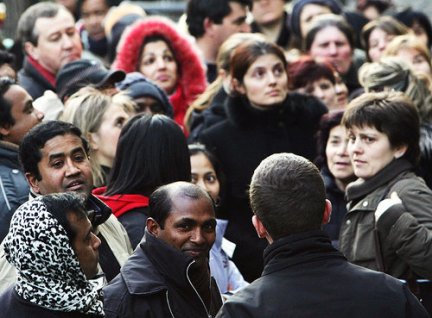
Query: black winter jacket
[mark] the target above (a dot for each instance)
(241, 142)
(304, 276)
(33, 81)
(155, 282)
(14, 189)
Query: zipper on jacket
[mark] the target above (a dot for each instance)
(4, 194)
(196, 292)
(169, 307)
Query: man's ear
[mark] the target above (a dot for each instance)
(208, 26)
(4, 132)
(33, 182)
(153, 227)
(400, 151)
(31, 50)
(259, 227)
(327, 212)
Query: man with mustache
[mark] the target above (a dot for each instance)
(168, 275)
(54, 156)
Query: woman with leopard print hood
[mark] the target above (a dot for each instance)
(55, 253)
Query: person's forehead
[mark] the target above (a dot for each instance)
(63, 19)
(62, 144)
(184, 207)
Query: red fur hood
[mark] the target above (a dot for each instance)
(192, 78)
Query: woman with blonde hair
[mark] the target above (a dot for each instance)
(412, 50)
(208, 108)
(100, 118)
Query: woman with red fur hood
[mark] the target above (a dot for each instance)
(156, 49)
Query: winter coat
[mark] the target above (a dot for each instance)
(17, 307)
(130, 209)
(337, 199)
(155, 282)
(192, 78)
(14, 189)
(33, 81)
(405, 230)
(304, 276)
(240, 143)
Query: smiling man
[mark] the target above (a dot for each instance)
(169, 276)
(50, 40)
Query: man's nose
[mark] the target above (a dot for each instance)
(197, 236)
(72, 168)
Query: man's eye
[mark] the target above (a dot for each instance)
(209, 228)
(57, 164)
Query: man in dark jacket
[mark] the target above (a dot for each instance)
(304, 276)
(17, 116)
(50, 40)
(168, 275)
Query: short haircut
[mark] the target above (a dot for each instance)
(391, 113)
(151, 151)
(30, 149)
(26, 23)
(161, 200)
(327, 123)
(287, 194)
(307, 70)
(216, 10)
(328, 20)
(60, 205)
(409, 17)
(6, 119)
(385, 23)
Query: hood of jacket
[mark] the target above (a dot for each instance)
(297, 108)
(192, 77)
(121, 203)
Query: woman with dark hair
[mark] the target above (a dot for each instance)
(418, 22)
(155, 48)
(331, 38)
(377, 34)
(335, 167)
(392, 235)
(310, 77)
(262, 119)
(151, 152)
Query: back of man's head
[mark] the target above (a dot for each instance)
(30, 149)
(27, 21)
(214, 10)
(287, 194)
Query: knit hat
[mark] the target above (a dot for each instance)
(80, 73)
(136, 86)
(333, 5)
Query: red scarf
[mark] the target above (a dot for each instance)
(121, 203)
(50, 77)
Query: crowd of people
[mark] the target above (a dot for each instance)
(256, 158)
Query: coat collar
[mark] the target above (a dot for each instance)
(297, 249)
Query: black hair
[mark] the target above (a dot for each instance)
(327, 123)
(6, 119)
(216, 10)
(408, 17)
(30, 149)
(151, 151)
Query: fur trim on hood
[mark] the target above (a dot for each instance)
(192, 78)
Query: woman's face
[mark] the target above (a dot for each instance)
(341, 92)
(159, 65)
(104, 141)
(265, 83)
(416, 59)
(204, 175)
(370, 151)
(338, 160)
(332, 45)
(323, 89)
(378, 41)
(309, 12)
